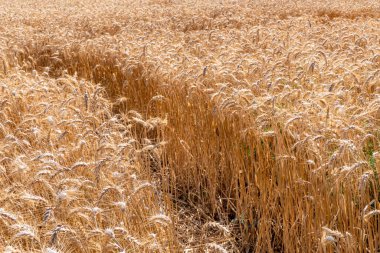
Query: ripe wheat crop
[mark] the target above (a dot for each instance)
(189, 126)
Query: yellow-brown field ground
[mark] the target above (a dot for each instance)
(189, 126)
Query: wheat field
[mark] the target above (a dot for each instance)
(189, 126)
